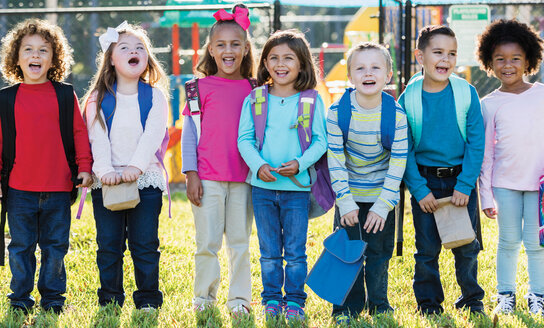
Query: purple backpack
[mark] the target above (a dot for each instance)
(322, 196)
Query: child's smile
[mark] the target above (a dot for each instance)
(509, 65)
(369, 73)
(438, 60)
(35, 58)
(283, 66)
(129, 57)
(228, 46)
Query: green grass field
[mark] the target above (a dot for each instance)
(177, 273)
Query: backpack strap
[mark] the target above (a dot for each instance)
(463, 98)
(388, 120)
(259, 111)
(7, 118)
(306, 108)
(65, 99)
(192, 97)
(387, 123)
(252, 82)
(344, 113)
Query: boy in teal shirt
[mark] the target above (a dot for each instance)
(444, 159)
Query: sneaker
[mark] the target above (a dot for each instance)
(342, 319)
(201, 307)
(148, 309)
(506, 302)
(21, 309)
(293, 311)
(239, 311)
(272, 309)
(535, 302)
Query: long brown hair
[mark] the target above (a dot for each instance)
(295, 40)
(105, 77)
(206, 65)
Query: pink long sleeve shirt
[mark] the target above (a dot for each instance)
(514, 142)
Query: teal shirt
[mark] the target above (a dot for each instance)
(442, 144)
(281, 143)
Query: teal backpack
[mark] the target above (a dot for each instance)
(414, 107)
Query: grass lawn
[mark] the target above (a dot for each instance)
(177, 274)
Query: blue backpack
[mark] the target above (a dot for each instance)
(388, 117)
(145, 100)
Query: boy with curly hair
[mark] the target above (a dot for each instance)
(43, 129)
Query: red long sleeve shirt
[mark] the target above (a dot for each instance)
(40, 162)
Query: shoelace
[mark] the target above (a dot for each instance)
(535, 303)
(505, 302)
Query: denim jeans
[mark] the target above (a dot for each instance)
(427, 287)
(518, 220)
(38, 218)
(140, 227)
(378, 253)
(282, 226)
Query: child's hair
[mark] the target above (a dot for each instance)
(206, 65)
(362, 46)
(61, 59)
(509, 31)
(295, 40)
(105, 77)
(426, 33)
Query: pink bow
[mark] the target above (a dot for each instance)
(239, 16)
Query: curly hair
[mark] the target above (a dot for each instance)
(295, 40)
(504, 31)
(61, 60)
(105, 77)
(206, 65)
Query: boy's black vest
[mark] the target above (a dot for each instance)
(65, 98)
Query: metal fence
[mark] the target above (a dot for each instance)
(83, 28)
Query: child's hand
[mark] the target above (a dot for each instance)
(111, 179)
(130, 174)
(429, 203)
(264, 173)
(375, 221)
(87, 179)
(491, 213)
(194, 188)
(350, 218)
(288, 169)
(459, 199)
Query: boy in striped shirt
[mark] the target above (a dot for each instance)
(366, 176)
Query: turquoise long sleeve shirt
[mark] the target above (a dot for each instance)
(442, 144)
(281, 143)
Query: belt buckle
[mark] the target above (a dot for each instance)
(444, 172)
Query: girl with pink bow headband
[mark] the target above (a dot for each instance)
(216, 173)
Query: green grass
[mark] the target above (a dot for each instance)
(177, 274)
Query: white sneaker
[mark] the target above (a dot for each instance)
(239, 310)
(535, 302)
(148, 309)
(506, 303)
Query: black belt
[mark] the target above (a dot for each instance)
(441, 172)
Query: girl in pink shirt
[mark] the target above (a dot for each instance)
(216, 173)
(514, 155)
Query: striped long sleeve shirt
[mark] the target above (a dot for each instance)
(362, 170)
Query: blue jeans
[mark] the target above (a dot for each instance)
(140, 227)
(378, 253)
(38, 218)
(282, 226)
(427, 287)
(518, 221)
